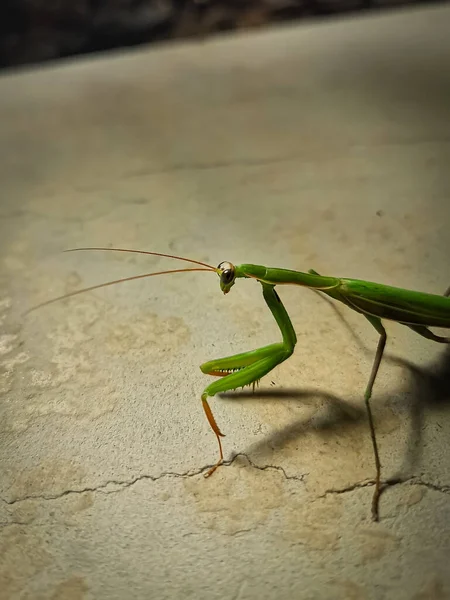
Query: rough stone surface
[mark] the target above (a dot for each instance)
(281, 149)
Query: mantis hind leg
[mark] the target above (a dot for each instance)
(247, 368)
(426, 333)
(429, 335)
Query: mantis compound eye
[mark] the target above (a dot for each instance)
(227, 273)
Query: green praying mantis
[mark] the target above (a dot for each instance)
(375, 301)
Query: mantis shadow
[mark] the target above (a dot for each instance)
(427, 390)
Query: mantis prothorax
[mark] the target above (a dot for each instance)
(376, 302)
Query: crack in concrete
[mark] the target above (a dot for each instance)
(350, 488)
(444, 489)
(102, 487)
(126, 484)
(413, 480)
(121, 485)
(268, 467)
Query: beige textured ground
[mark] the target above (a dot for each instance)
(323, 146)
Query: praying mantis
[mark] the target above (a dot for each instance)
(376, 302)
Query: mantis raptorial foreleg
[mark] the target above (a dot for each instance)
(247, 368)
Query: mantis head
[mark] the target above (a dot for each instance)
(227, 274)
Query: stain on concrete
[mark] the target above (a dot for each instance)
(11, 355)
(412, 496)
(375, 543)
(433, 589)
(48, 478)
(409, 495)
(73, 282)
(22, 513)
(74, 588)
(7, 343)
(147, 331)
(239, 499)
(93, 333)
(80, 503)
(22, 558)
(345, 589)
(315, 525)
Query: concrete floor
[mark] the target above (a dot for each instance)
(319, 146)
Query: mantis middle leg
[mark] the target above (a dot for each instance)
(247, 368)
(375, 322)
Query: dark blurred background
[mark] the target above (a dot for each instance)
(33, 31)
